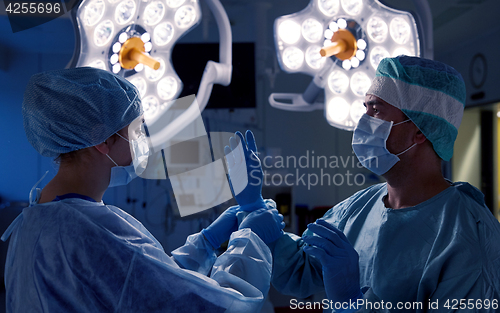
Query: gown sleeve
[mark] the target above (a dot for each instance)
(74, 256)
(295, 272)
(238, 280)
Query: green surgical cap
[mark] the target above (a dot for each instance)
(430, 93)
(71, 109)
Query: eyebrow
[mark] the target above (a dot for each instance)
(373, 102)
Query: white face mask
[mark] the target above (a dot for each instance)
(121, 175)
(369, 144)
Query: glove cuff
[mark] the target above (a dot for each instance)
(259, 204)
(210, 238)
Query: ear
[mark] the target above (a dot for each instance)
(419, 137)
(102, 147)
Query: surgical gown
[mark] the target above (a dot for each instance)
(76, 255)
(446, 248)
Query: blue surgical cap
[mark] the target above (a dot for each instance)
(430, 93)
(71, 109)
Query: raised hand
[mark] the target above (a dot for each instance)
(245, 171)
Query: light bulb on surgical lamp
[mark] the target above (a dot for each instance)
(135, 38)
(340, 43)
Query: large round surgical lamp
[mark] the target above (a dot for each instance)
(340, 43)
(135, 38)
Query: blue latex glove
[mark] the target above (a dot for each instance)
(339, 261)
(266, 223)
(221, 229)
(245, 171)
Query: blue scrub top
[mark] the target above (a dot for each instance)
(445, 248)
(76, 255)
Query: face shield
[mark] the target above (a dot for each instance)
(193, 159)
(139, 145)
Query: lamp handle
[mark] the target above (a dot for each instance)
(214, 73)
(294, 102)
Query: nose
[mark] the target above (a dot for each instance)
(370, 111)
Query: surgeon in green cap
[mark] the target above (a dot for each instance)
(416, 238)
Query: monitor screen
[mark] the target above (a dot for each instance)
(190, 59)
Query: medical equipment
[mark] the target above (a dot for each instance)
(340, 43)
(134, 39)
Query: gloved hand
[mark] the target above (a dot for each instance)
(221, 229)
(245, 171)
(339, 261)
(266, 223)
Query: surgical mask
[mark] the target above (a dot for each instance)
(369, 144)
(121, 175)
(140, 152)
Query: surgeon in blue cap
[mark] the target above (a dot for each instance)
(416, 239)
(70, 252)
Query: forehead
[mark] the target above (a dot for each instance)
(373, 100)
(385, 108)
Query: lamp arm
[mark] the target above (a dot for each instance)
(214, 73)
(303, 102)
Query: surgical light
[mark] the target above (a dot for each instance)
(352, 37)
(125, 11)
(338, 109)
(357, 110)
(93, 12)
(135, 38)
(175, 3)
(103, 32)
(163, 33)
(329, 7)
(139, 67)
(140, 84)
(98, 64)
(167, 87)
(116, 47)
(289, 32)
(377, 54)
(154, 13)
(313, 57)
(185, 16)
(312, 30)
(377, 29)
(293, 58)
(113, 59)
(155, 74)
(360, 83)
(338, 82)
(400, 30)
(352, 7)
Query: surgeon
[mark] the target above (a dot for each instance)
(417, 239)
(70, 252)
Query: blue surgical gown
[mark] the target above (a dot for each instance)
(445, 248)
(76, 255)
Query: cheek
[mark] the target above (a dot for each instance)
(397, 142)
(126, 154)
